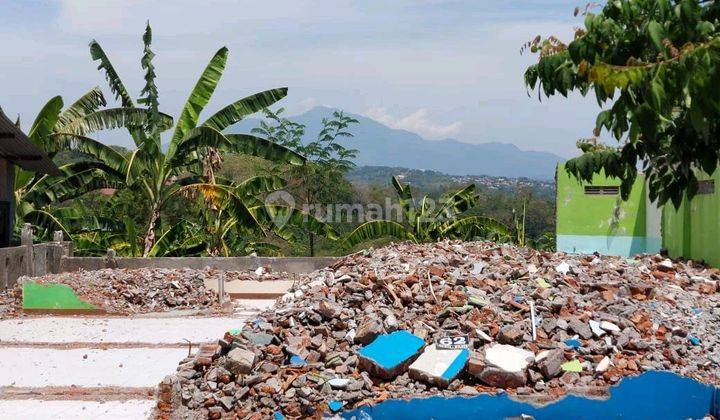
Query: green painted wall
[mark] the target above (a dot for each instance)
(692, 231)
(52, 297)
(595, 215)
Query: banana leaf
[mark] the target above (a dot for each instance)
(376, 229)
(200, 96)
(236, 111)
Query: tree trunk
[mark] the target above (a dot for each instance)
(312, 245)
(150, 234)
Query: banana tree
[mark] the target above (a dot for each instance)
(56, 130)
(232, 213)
(423, 221)
(156, 173)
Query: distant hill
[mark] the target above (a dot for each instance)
(380, 145)
(438, 182)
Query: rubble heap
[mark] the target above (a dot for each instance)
(539, 325)
(141, 290)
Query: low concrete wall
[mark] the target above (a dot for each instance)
(31, 260)
(284, 264)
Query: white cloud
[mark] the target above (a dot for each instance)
(417, 122)
(305, 105)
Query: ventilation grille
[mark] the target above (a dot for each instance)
(706, 187)
(602, 190)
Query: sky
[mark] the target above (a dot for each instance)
(439, 68)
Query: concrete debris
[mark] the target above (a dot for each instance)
(603, 365)
(239, 361)
(123, 291)
(596, 329)
(367, 329)
(439, 367)
(390, 355)
(506, 366)
(609, 326)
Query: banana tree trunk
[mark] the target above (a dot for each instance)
(150, 234)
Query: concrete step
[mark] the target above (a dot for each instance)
(43, 367)
(98, 330)
(75, 410)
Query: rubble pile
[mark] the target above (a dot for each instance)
(393, 323)
(141, 290)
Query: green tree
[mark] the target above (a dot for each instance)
(158, 174)
(654, 66)
(424, 221)
(320, 181)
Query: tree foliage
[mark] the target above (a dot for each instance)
(159, 175)
(654, 66)
(319, 181)
(426, 221)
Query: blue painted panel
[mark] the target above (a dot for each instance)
(457, 365)
(652, 395)
(390, 350)
(622, 246)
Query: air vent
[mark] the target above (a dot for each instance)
(602, 190)
(706, 187)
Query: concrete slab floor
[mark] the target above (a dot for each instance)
(116, 330)
(75, 410)
(33, 367)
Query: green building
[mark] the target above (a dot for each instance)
(692, 231)
(592, 217)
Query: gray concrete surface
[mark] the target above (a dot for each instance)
(286, 264)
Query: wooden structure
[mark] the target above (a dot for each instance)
(16, 149)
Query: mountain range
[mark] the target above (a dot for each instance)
(380, 145)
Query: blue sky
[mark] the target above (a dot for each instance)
(440, 68)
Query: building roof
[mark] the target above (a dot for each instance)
(18, 149)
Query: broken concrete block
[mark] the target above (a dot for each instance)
(510, 335)
(550, 364)
(368, 331)
(478, 267)
(603, 365)
(339, 383)
(595, 328)
(258, 339)
(483, 336)
(562, 268)
(505, 366)
(389, 355)
(240, 361)
(580, 328)
(439, 367)
(609, 326)
(328, 309)
(475, 364)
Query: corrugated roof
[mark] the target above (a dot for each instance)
(17, 148)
